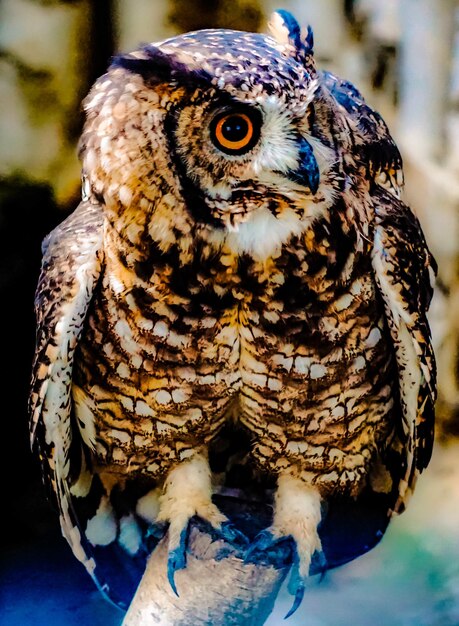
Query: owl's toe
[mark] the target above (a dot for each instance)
(317, 564)
(229, 533)
(178, 543)
(177, 557)
(279, 550)
(293, 537)
(187, 493)
(297, 587)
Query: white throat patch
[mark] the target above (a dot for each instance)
(263, 234)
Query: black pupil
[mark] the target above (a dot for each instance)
(235, 128)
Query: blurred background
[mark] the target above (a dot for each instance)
(404, 56)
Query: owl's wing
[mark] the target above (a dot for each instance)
(404, 272)
(373, 147)
(70, 271)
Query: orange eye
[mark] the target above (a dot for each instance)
(235, 132)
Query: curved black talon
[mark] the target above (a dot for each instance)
(267, 548)
(177, 559)
(297, 583)
(299, 595)
(156, 531)
(232, 535)
(320, 565)
(227, 531)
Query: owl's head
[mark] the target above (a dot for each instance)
(217, 133)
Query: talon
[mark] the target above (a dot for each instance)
(264, 540)
(320, 564)
(299, 595)
(177, 559)
(232, 535)
(297, 582)
(266, 546)
(156, 530)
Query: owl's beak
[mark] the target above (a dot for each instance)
(307, 173)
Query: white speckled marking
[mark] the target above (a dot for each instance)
(373, 338)
(317, 370)
(344, 302)
(163, 397)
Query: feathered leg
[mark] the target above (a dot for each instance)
(187, 492)
(297, 515)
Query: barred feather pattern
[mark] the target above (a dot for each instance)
(266, 344)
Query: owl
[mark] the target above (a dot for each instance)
(241, 262)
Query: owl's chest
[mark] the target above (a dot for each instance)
(289, 350)
(200, 339)
(276, 346)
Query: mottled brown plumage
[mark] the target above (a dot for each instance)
(280, 286)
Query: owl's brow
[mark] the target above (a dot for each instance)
(159, 67)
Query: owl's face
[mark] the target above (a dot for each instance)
(215, 132)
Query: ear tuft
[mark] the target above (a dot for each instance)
(285, 30)
(309, 40)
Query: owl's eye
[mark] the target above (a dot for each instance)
(235, 132)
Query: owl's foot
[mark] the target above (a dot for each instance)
(188, 493)
(177, 555)
(292, 537)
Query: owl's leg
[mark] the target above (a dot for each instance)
(187, 492)
(297, 515)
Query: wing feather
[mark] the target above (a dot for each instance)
(374, 150)
(72, 266)
(403, 269)
(70, 271)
